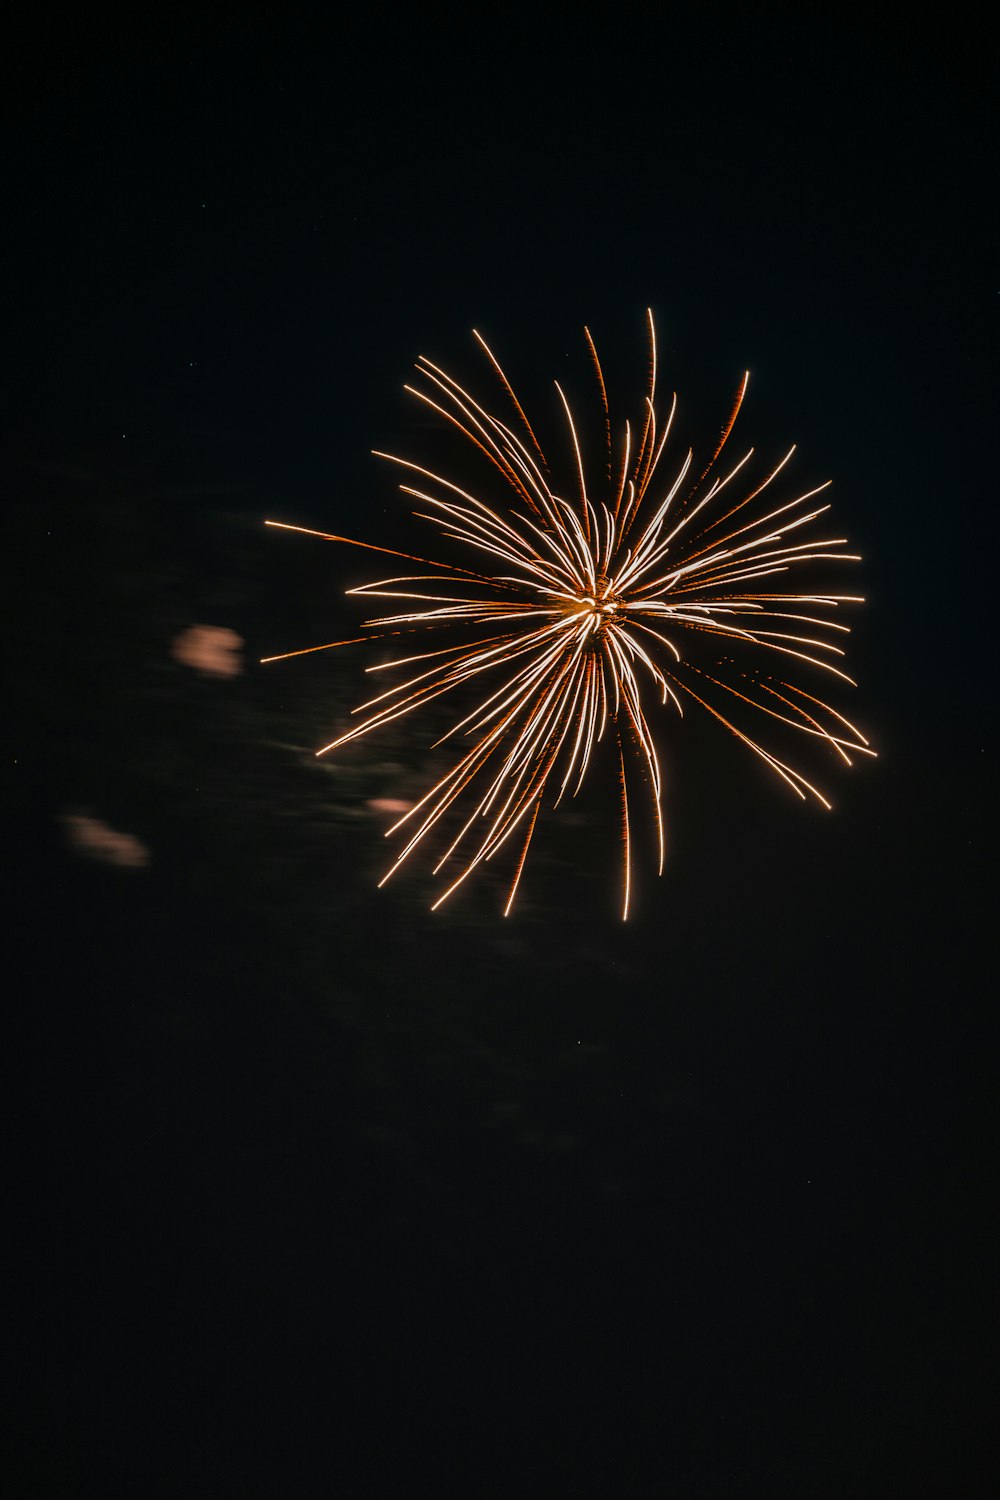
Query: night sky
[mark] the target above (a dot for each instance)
(315, 1192)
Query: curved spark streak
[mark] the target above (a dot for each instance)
(574, 626)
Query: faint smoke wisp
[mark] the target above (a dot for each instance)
(93, 838)
(211, 649)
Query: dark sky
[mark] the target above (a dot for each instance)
(317, 1193)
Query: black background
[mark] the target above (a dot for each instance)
(317, 1193)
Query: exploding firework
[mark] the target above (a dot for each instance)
(593, 599)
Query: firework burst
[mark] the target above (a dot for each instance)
(591, 601)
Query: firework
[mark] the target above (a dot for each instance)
(585, 608)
